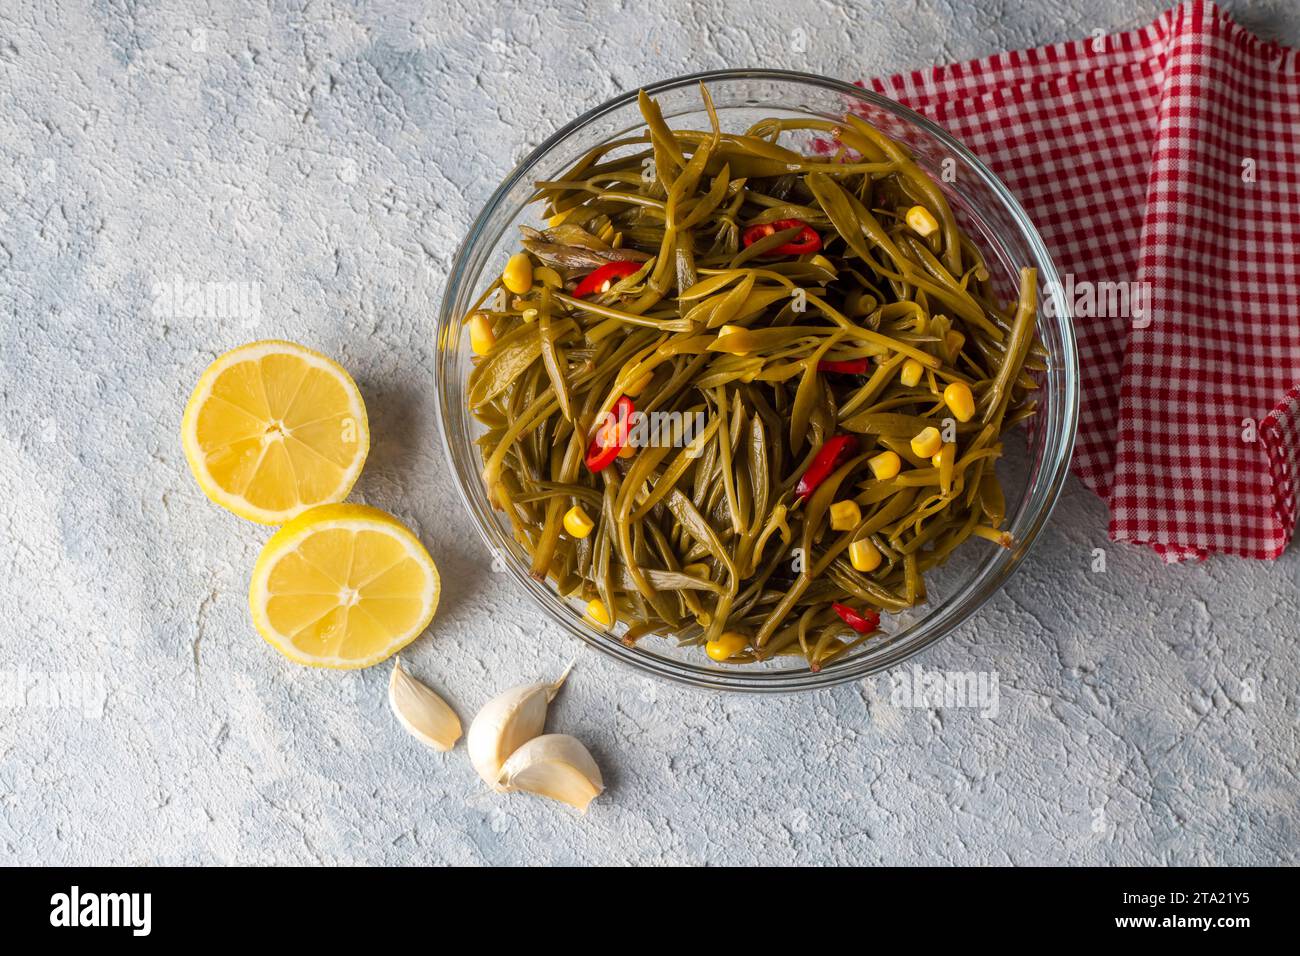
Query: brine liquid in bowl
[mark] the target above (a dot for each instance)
(785, 231)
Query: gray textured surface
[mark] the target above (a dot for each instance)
(333, 156)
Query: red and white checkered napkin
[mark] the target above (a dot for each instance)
(1168, 156)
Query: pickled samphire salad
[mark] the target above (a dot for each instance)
(747, 397)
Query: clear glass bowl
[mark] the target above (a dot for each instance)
(1032, 472)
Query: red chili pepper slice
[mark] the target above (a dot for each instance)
(830, 456)
(603, 278)
(863, 623)
(610, 435)
(845, 367)
(805, 241)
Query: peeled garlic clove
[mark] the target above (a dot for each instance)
(556, 766)
(424, 714)
(507, 722)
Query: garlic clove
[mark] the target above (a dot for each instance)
(424, 714)
(506, 723)
(555, 766)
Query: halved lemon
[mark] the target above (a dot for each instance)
(343, 586)
(273, 429)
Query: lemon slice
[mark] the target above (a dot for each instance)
(273, 429)
(343, 586)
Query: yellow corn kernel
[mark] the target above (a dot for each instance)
(639, 386)
(597, 611)
(577, 522)
(627, 451)
(960, 401)
(927, 443)
(953, 342)
(911, 373)
(548, 276)
(528, 315)
(886, 465)
(845, 515)
(922, 221)
(481, 336)
(518, 273)
(726, 646)
(864, 556)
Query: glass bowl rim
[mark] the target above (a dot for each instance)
(967, 599)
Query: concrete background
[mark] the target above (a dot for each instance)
(332, 157)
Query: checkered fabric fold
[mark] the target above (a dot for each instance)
(1167, 159)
